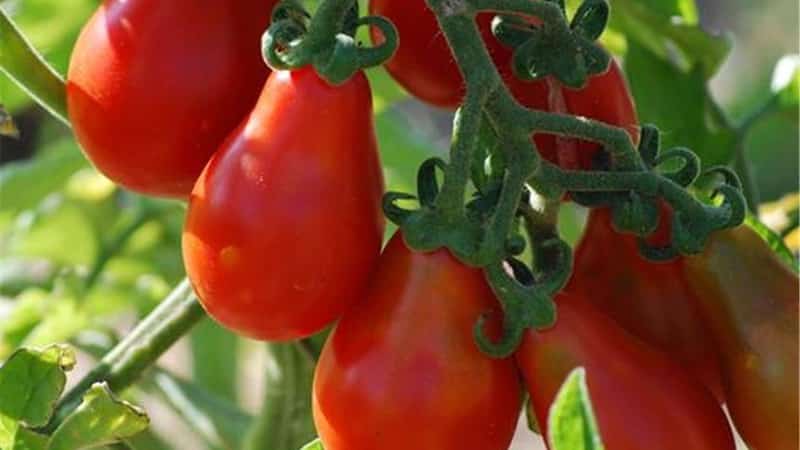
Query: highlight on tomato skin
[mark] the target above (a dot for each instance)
(641, 398)
(251, 243)
(154, 87)
(401, 369)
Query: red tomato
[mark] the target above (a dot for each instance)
(285, 224)
(651, 300)
(750, 299)
(402, 370)
(641, 398)
(154, 87)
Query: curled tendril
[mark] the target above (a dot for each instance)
(337, 58)
(277, 44)
(734, 203)
(567, 53)
(427, 184)
(690, 165)
(526, 299)
(393, 212)
(728, 176)
(591, 19)
(649, 144)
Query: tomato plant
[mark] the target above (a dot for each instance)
(249, 243)
(152, 92)
(222, 172)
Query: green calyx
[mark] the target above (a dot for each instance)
(325, 41)
(566, 52)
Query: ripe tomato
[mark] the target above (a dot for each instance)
(402, 370)
(651, 300)
(154, 87)
(284, 225)
(641, 398)
(750, 299)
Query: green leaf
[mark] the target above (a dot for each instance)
(22, 63)
(24, 184)
(99, 420)
(776, 243)
(669, 29)
(679, 103)
(316, 445)
(572, 425)
(786, 82)
(31, 381)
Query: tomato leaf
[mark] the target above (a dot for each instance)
(31, 381)
(679, 102)
(572, 424)
(23, 64)
(316, 445)
(24, 184)
(99, 420)
(670, 30)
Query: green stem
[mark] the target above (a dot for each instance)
(285, 419)
(121, 367)
(465, 139)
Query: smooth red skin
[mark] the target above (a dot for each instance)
(402, 370)
(641, 398)
(285, 225)
(750, 299)
(653, 301)
(154, 87)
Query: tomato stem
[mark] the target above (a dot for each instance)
(153, 336)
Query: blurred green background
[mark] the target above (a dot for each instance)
(60, 222)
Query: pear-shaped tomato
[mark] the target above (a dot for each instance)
(653, 301)
(285, 224)
(154, 87)
(751, 300)
(402, 371)
(641, 398)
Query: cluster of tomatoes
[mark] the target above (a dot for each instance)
(284, 229)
